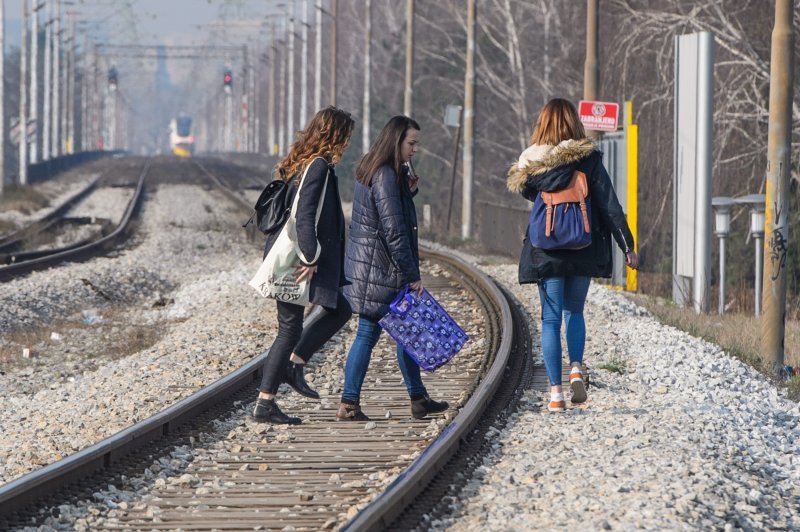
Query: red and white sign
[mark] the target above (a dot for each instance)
(600, 116)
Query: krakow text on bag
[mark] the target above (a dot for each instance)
(273, 206)
(424, 329)
(275, 277)
(560, 219)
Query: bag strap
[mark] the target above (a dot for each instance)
(300, 186)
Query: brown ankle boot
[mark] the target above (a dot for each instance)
(349, 412)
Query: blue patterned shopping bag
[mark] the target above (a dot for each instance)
(424, 329)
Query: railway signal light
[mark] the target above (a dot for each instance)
(112, 78)
(227, 80)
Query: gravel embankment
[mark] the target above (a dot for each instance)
(685, 437)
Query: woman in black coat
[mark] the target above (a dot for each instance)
(559, 148)
(321, 249)
(382, 257)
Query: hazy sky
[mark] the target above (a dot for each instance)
(167, 21)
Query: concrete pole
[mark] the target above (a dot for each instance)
(469, 124)
(318, 56)
(304, 67)
(56, 119)
(34, 107)
(409, 92)
(591, 67)
(334, 29)
(281, 115)
(23, 98)
(71, 88)
(366, 104)
(2, 98)
(703, 171)
(779, 168)
(47, 133)
(290, 129)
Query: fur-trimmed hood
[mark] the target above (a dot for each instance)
(538, 160)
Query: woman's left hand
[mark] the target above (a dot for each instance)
(304, 272)
(632, 259)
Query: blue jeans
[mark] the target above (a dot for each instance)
(355, 369)
(562, 295)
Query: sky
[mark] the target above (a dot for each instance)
(167, 21)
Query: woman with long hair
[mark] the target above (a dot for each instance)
(314, 153)
(559, 148)
(382, 257)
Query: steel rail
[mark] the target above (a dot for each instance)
(87, 250)
(12, 239)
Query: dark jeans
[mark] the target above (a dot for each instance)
(355, 369)
(304, 342)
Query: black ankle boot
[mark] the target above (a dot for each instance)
(422, 406)
(293, 376)
(267, 411)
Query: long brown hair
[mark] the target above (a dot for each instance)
(385, 149)
(558, 121)
(326, 135)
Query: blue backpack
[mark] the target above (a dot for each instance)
(561, 219)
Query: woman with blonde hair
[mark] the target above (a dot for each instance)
(559, 149)
(314, 153)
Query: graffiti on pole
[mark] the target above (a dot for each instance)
(778, 246)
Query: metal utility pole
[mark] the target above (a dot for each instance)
(23, 98)
(469, 124)
(2, 97)
(273, 73)
(290, 84)
(591, 67)
(318, 56)
(776, 241)
(367, 50)
(409, 92)
(334, 29)
(304, 67)
(34, 107)
(56, 120)
(284, 77)
(48, 69)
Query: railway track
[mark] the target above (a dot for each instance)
(322, 474)
(18, 263)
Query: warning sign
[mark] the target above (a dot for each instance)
(600, 116)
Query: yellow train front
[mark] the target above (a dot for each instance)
(181, 140)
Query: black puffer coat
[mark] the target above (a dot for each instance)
(321, 244)
(550, 168)
(382, 252)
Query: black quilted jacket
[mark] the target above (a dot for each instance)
(543, 168)
(382, 252)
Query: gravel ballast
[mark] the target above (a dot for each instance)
(683, 436)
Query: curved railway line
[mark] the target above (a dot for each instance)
(316, 475)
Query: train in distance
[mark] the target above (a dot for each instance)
(181, 140)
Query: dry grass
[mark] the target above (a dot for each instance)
(113, 338)
(738, 334)
(23, 199)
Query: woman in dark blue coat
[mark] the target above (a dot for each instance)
(559, 148)
(320, 247)
(381, 258)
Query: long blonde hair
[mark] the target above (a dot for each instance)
(326, 135)
(557, 121)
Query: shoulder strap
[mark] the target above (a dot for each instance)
(300, 186)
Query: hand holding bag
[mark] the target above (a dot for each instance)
(423, 328)
(275, 277)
